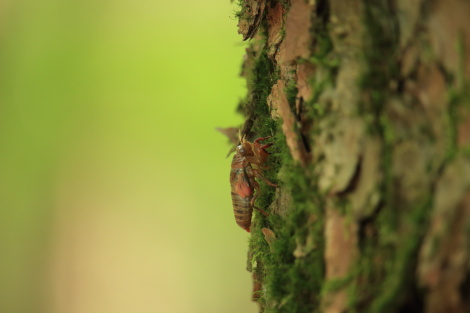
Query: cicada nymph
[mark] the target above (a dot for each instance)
(247, 163)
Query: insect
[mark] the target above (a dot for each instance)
(247, 163)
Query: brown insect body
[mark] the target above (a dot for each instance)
(246, 165)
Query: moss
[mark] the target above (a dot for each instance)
(366, 277)
(237, 12)
(379, 57)
(291, 93)
(400, 271)
(452, 124)
(462, 108)
(323, 45)
(336, 284)
(459, 102)
(388, 139)
(324, 60)
(460, 47)
(292, 283)
(259, 82)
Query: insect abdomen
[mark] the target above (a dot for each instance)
(242, 210)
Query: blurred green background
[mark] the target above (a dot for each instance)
(114, 192)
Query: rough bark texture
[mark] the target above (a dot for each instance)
(368, 101)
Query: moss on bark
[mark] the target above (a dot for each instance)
(369, 108)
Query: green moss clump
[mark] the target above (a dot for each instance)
(291, 93)
(290, 284)
(238, 10)
(255, 107)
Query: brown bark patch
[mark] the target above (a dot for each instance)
(275, 23)
(340, 255)
(269, 236)
(298, 39)
(341, 244)
(279, 104)
(431, 89)
(257, 286)
(409, 60)
(305, 72)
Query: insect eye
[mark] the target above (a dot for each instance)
(240, 148)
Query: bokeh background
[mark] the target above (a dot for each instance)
(114, 193)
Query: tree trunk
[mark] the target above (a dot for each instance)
(369, 106)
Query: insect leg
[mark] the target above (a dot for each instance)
(261, 211)
(261, 139)
(264, 147)
(252, 202)
(258, 174)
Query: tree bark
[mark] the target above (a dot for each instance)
(369, 106)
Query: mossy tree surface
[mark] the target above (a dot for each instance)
(369, 106)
